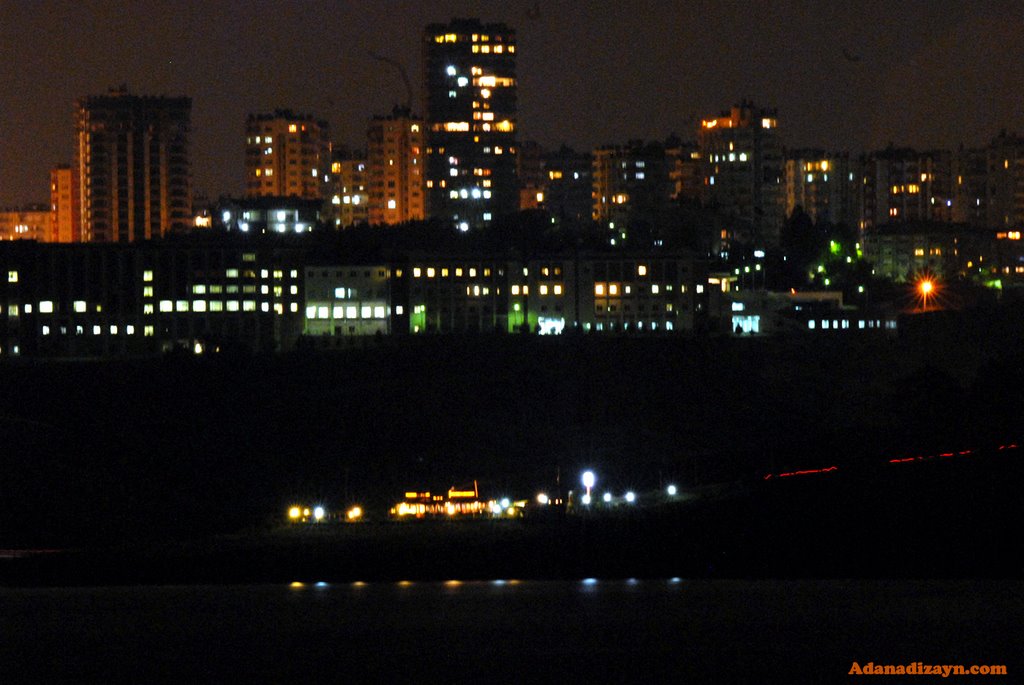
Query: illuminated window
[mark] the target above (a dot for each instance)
(378, 312)
(248, 305)
(147, 309)
(322, 312)
(216, 306)
(199, 305)
(147, 291)
(613, 289)
(430, 272)
(367, 311)
(654, 289)
(543, 289)
(351, 312)
(416, 272)
(232, 305)
(641, 270)
(79, 306)
(599, 289)
(147, 276)
(558, 289)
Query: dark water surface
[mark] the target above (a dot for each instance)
(673, 630)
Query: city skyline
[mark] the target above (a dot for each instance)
(854, 78)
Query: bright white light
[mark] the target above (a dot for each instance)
(672, 490)
(450, 70)
(585, 499)
(607, 497)
(226, 216)
(318, 513)
(281, 215)
(464, 226)
(463, 81)
(542, 498)
(630, 497)
(588, 479)
(759, 254)
(505, 503)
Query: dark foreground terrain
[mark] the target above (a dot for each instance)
(955, 518)
(181, 468)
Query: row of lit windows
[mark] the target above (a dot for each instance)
(844, 324)
(165, 306)
(600, 326)
(351, 311)
(542, 289)
(476, 38)
(129, 329)
(431, 272)
(615, 289)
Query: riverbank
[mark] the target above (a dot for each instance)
(939, 520)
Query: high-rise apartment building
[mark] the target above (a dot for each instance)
(349, 188)
(630, 187)
(470, 111)
(743, 168)
(567, 185)
(901, 185)
(395, 146)
(65, 220)
(685, 171)
(970, 183)
(825, 185)
(132, 160)
(1005, 187)
(31, 222)
(286, 155)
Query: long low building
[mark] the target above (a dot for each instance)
(268, 294)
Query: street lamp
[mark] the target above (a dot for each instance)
(588, 481)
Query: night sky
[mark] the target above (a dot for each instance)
(844, 75)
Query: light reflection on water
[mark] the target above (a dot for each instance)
(623, 630)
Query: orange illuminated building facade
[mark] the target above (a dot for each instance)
(395, 148)
(132, 161)
(286, 155)
(65, 219)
